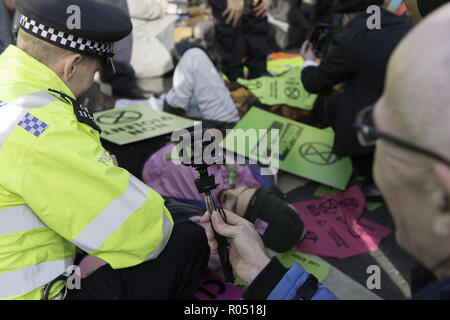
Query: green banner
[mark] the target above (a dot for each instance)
(286, 89)
(302, 150)
(137, 122)
(317, 268)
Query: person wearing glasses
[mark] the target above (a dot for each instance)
(409, 125)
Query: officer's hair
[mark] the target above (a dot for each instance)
(42, 51)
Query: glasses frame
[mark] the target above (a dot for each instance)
(366, 129)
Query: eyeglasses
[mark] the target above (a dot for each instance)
(368, 134)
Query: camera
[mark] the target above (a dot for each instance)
(205, 183)
(320, 38)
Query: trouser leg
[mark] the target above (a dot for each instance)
(229, 41)
(175, 274)
(198, 85)
(256, 31)
(362, 166)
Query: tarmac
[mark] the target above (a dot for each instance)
(348, 278)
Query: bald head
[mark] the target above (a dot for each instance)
(417, 91)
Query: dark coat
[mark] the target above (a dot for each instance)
(358, 57)
(436, 291)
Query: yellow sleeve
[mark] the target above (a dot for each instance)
(70, 182)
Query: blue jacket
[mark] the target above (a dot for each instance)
(276, 282)
(293, 280)
(436, 291)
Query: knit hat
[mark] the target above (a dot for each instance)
(279, 225)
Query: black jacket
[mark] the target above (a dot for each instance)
(358, 57)
(436, 291)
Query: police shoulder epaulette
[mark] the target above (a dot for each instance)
(82, 112)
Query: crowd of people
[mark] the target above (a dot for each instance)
(66, 194)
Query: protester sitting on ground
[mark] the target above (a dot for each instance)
(412, 171)
(241, 188)
(358, 58)
(199, 91)
(242, 29)
(418, 9)
(132, 61)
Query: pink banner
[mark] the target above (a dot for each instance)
(215, 288)
(334, 227)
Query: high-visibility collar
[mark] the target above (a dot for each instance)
(17, 65)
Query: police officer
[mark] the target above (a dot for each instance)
(59, 190)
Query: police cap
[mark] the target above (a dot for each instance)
(88, 27)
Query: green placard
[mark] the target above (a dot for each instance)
(317, 268)
(302, 150)
(137, 122)
(286, 89)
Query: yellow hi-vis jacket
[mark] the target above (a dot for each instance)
(59, 189)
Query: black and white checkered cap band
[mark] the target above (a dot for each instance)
(66, 40)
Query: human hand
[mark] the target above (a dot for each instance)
(307, 51)
(262, 9)
(247, 253)
(233, 12)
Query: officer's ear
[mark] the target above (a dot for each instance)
(71, 63)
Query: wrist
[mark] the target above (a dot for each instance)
(256, 268)
(261, 287)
